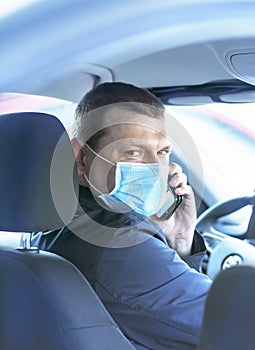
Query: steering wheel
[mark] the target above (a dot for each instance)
(224, 250)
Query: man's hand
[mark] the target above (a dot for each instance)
(179, 229)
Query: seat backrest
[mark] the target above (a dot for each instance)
(229, 316)
(46, 303)
(38, 177)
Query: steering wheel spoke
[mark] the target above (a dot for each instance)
(224, 251)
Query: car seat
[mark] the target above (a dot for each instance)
(229, 312)
(46, 303)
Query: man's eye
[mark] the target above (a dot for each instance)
(133, 153)
(164, 152)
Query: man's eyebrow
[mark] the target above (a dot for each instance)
(167, 149)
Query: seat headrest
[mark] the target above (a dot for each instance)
(230, 311)
(38, 175)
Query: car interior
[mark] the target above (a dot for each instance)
(198, 58)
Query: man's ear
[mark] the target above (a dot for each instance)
(79, 155)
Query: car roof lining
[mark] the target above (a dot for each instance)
(164, 46)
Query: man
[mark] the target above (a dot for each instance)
(145, 270)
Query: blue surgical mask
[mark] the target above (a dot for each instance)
(138, 186)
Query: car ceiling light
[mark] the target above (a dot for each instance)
(241, 63)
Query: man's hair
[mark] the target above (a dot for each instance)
(140, 101)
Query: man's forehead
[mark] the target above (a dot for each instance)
(120, 115)
(136, 133)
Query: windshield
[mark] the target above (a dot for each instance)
(225, 137)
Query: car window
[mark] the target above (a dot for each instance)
(64, 110)
(225, 137)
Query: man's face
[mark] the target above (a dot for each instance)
(132, 143)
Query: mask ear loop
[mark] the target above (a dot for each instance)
(98, 155)
(91, 184)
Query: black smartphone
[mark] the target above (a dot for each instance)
(171, 204)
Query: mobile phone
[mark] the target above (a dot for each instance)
(171, 204)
